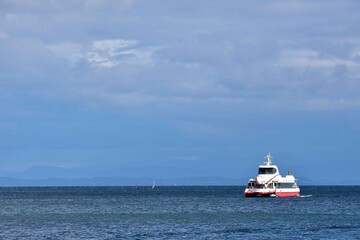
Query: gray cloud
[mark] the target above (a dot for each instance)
(137, 53)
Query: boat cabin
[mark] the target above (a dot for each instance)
(276, 185)
(267, 170)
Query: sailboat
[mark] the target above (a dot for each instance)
(153, 186)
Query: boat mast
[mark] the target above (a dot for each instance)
(268, 157)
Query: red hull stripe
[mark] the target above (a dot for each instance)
(262, 193)
(278, 194)
(287, 194)
(272, 178)
(267, 181)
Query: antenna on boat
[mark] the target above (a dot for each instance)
(268, 157)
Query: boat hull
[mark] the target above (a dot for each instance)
(276, 193)
(287, 194)
(258, 194)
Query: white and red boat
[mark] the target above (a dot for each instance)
(269, 183)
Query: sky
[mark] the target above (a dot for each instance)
(180, 88)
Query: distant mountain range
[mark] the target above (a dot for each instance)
(118, 181)
(91, 172)
(54, 176)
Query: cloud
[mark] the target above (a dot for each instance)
(75, 75)
(105, 53)
(311, 58)
(67, 50)
(356, 55)
(112, 46)
(102, 53)
(299, 7)
(3, 35)
(136, 53)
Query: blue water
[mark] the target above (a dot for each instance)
(330, 212)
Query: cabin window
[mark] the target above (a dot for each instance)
(267, 170)
(286, 185)
(251, 184)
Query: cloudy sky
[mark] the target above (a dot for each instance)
(175, 88)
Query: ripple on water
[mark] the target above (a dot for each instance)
(176, 213)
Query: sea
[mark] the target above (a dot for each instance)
(177, 212)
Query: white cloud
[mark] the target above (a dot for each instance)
(140, 56)
(103, 54)
(356, 54)
(110, 53)
(112, 46)
(212, 57)
(106, 53)
(99, 60)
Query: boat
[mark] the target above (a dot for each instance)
(270, 183)
(153, 186)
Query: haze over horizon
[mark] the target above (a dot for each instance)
(169, 89)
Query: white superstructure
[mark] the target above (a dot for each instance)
(269, 182)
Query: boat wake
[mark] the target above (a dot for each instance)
(305, 195)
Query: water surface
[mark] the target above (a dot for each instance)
(213, 212)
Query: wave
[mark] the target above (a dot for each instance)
(305, 196)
